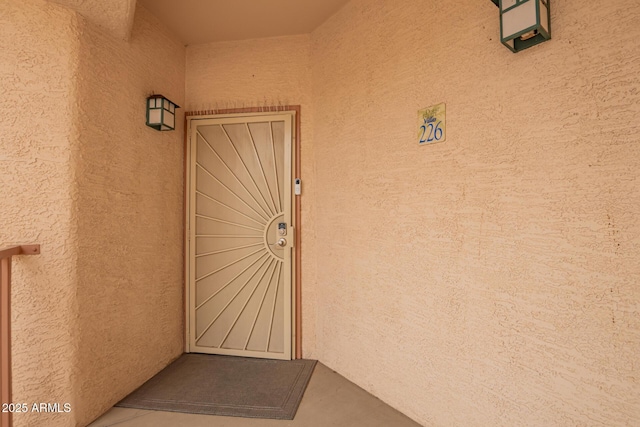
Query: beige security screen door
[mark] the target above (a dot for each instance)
(241, 235)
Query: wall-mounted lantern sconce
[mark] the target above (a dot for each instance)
(161, 113)
(524, 23)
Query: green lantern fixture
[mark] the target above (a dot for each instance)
(524, 23)
(161, 113)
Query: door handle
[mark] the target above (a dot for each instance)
(282, 242)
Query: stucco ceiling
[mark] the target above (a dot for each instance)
(203, 21)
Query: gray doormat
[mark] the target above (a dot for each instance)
(225, 385)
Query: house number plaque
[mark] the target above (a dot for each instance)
(431, 125)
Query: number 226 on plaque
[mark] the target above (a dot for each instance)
(431, 125)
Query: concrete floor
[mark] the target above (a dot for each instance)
(329, 401)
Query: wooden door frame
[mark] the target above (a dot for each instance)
(297, 262)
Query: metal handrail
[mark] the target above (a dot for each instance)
(6, 419)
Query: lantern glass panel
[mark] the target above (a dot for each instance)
(169, 120)
(544, 17)
(155, 116)
(506, 4)
(519, 18)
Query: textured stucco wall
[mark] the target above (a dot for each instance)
(130, 222)
(100, 310)
(38, 148)
(491, 280)
(115, 16)
(265, 72)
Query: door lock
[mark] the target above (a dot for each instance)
(282, 242)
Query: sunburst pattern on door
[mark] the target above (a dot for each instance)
(240, 290)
